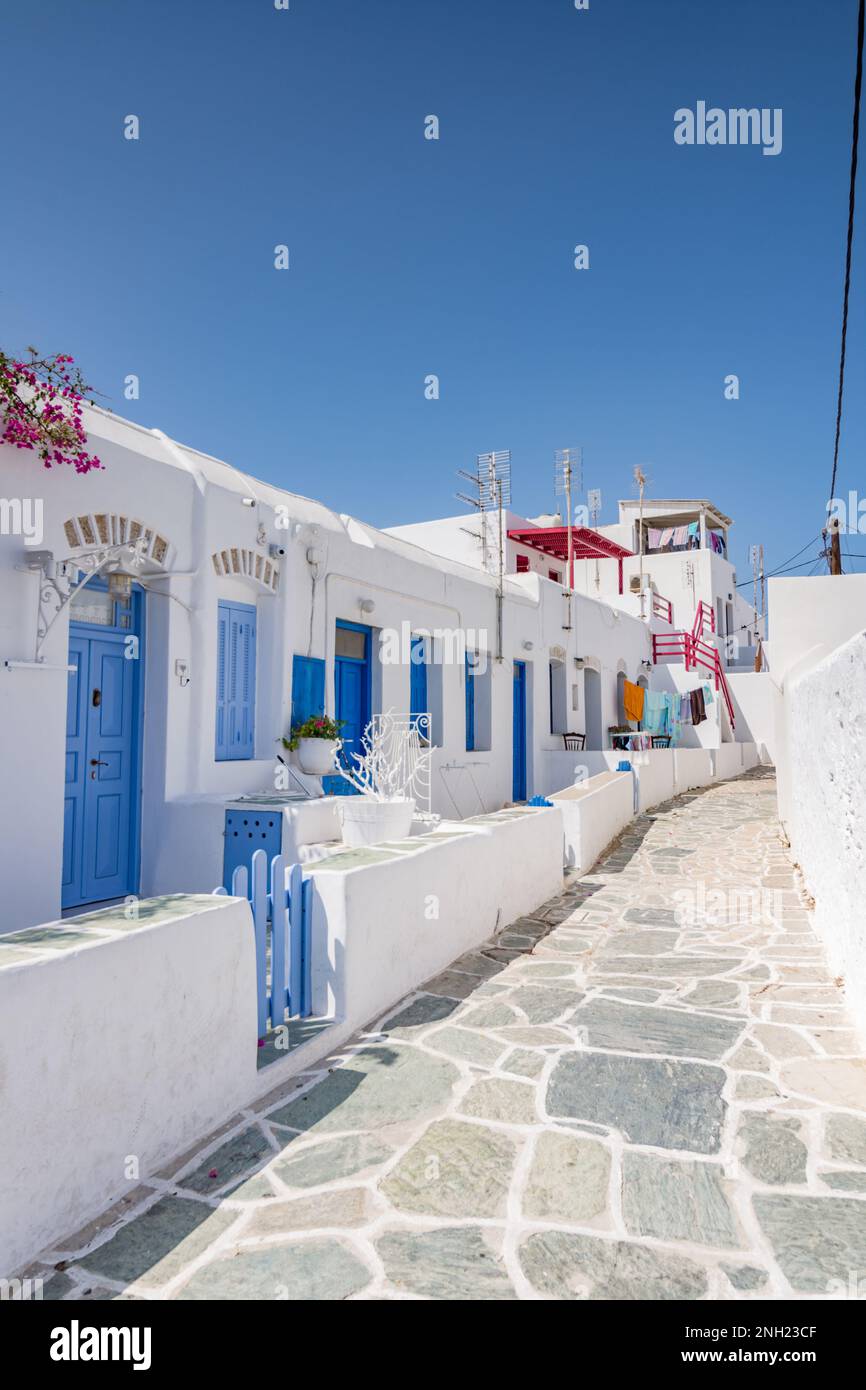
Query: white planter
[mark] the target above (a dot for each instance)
(316, 755)
(368, 822)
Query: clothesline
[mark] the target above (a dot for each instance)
(685, 537)
(658, 712)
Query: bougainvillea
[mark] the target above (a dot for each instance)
(40, 408)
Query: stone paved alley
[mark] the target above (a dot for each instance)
(648, 1089)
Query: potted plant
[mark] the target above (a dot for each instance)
(317, 741)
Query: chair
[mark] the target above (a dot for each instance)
(660, 740)
(574, 743)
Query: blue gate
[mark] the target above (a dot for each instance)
(281, 919)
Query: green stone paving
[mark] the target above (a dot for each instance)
(647, 1089)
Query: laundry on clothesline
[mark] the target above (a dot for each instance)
(633, 701)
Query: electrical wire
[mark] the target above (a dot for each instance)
(855, 140)
(785, 567)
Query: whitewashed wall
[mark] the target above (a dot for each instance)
(755, 696)
(382, 929)
(120, 1050)
(197, 502)
(826, 820)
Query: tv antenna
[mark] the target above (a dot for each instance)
(568, 475)
(640, 480)
(491, 491)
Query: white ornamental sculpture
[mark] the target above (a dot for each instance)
(392, 773)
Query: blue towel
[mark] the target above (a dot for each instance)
(656, 712)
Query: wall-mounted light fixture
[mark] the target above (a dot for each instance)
(366, 605)
(527, 646)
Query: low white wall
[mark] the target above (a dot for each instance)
(728, 761)
(381, 929)
(693, 767)
(755, 696)
(118, 1051)
(594, 814)
(595, 810)
(826, 817)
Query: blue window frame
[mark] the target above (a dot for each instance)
(471, 661)
(418, 678)
(308, 688)
(236, 681)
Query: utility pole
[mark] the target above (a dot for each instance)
(757, 555)
(640, 479)
(763, 587)
(834, 554)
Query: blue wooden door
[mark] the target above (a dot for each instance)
(351, 702)
(518, 777)
(352, 687)
(100, 847)
(76, 769)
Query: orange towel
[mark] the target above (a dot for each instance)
(633, 701)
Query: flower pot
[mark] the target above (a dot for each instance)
(316, 755)
(368, 822)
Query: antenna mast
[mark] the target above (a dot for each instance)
(567, 464)
(640, 479)
(491, 490)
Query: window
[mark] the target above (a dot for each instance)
(558, 686)
(555, 576)
(522, 564)
(471, 662)
(418, 656)
(308, 687)
(236, 681)
(351, 641)
(478, 702)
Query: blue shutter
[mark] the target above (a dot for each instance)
(470, 702)
(308, 687)
(223, 622)
(418, 678)
(236, 681)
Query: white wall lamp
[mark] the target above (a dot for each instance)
(366, 605)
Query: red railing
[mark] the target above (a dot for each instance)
(704, 618)
(694, 652)
(663, 608)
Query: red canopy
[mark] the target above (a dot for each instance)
(586, 543)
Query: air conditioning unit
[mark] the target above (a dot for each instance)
(634, 584)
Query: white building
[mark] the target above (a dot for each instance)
(127, 726)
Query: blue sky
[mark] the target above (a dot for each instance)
(454, 257)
